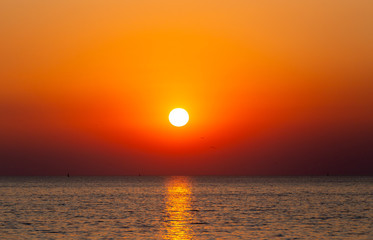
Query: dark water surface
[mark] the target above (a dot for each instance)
(186, 207)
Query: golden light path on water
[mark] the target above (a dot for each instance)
(178, 217)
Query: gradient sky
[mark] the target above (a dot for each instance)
(271, 87)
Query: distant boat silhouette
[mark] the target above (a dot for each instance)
(68, 175)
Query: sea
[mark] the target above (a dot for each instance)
(186, 207)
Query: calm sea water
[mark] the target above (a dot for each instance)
(186, 207)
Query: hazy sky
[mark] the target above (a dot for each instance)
(271, 87)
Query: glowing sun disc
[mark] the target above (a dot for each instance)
(178, 117)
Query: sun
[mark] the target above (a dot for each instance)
(178, 117)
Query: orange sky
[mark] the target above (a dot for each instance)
(88, 85)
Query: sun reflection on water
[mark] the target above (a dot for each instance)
(178, 217)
